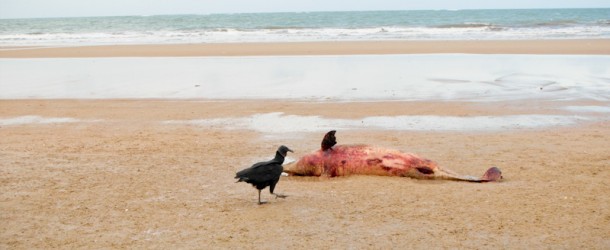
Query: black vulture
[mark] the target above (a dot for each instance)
(264, 174)
(329, 140)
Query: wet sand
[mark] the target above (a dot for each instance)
(114, 174)
(564, 47)
(121, 178)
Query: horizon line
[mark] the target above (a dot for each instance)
(314, 11)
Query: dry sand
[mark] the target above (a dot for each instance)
(120, 178)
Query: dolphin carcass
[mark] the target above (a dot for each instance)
(341, 160)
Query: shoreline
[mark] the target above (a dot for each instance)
(148, 172)
(565, 47)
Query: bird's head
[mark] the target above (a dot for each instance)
(283, 150)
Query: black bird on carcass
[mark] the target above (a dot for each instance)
(264, 174)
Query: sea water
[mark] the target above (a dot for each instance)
(439, 77)
(310, 26)
(423, 77)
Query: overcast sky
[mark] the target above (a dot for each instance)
(72, 8)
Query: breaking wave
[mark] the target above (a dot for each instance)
(310, 26)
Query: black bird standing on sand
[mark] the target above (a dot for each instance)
(264, 174)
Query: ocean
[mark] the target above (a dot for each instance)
(310, 26)
(555, 83)
(423, 77)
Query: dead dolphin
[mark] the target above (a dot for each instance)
(341, 160)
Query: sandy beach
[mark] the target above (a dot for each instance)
(567, 46)
(158, 173)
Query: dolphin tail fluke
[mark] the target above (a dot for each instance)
(492, 174)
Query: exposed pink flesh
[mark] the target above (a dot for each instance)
(343, 160)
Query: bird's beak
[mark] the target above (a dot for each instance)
(289, 150)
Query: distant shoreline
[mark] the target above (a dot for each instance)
(567, 46)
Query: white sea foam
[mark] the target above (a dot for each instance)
(272, 123)
(310, 26)
(342, 78)
(302, 35)
(32, 119)
(589, 109)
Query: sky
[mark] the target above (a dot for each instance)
(79, 8)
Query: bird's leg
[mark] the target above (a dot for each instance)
(272, 187)
(259, 198)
